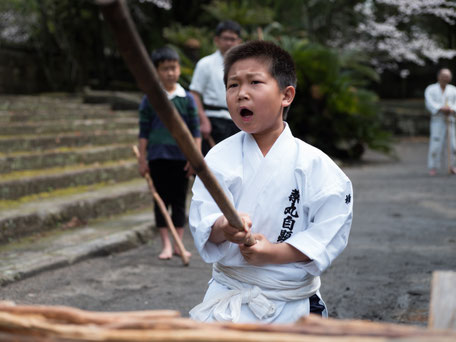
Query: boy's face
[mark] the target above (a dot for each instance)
(254, 98)
(226, 41)
(169, 73)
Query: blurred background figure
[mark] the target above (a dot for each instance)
(440, 101)
(159, 153)
(208, 88)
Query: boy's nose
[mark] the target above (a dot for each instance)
(242, 93)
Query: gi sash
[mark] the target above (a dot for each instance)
(253, 290)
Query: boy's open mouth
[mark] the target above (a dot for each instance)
(246, 112)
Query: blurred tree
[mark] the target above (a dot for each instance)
(335, 45)
(332, 110)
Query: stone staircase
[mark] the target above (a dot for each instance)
(68, 177)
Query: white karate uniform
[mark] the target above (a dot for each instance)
(435, 99)
(296, 192)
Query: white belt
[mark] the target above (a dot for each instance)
(255, 291)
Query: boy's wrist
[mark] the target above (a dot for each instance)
(284, 253)
(275, 253)
(217, 235)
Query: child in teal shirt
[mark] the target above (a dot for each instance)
(159, 152)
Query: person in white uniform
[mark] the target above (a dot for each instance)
(208, 89)
(292, 197)
(440, 99)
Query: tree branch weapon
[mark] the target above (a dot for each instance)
(132, 49)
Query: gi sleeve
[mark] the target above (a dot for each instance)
(452, 99)
(432, 102)
(203, 214)
(329, 220)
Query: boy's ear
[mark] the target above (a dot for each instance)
(288, 96)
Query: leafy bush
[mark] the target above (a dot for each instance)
(332, 110)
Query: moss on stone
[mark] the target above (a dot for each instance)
(56, 170)
(9, 204)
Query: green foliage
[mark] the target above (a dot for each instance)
(247, 13)
(330, 110)
(190, 38)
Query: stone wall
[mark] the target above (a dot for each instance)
(405, 117)
(20, 72)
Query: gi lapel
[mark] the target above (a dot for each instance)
(260, 171)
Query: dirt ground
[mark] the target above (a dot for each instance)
(404, 228)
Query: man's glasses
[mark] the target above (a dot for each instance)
(228, 39)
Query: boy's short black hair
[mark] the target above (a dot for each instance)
(228, 25)
(281, 65)
(164, 54)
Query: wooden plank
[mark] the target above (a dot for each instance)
(58, 324)
(442, 312)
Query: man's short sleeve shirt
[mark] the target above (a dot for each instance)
(208, 82)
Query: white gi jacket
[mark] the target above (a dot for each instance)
(295, 194)
(435, 99)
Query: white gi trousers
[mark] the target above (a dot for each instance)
(438, 140)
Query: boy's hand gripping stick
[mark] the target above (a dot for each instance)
(164, 211)
(140, 65)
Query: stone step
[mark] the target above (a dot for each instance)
(27, 116)
(47, 213)
(117, 100)
(49, 115)
(52, 141)
(62, 247)
(63, 125)
(45, 99)
(25, 183)
(33, 108)
(21, 161)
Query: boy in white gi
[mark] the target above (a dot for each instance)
(295, 201)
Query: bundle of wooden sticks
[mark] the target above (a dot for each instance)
(59, 323)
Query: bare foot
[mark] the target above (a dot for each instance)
(187, 253)
(166, 254)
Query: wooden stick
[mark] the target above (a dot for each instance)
(40, 327)
(78, 316)
(165, 325)
(311, 325)
(447, 121)
(211, 141)
(164, 211)
(139, 63)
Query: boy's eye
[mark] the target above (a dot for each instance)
(256, 82)
(232, 85)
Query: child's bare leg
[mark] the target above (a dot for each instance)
(167, 251)
(180, 233)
